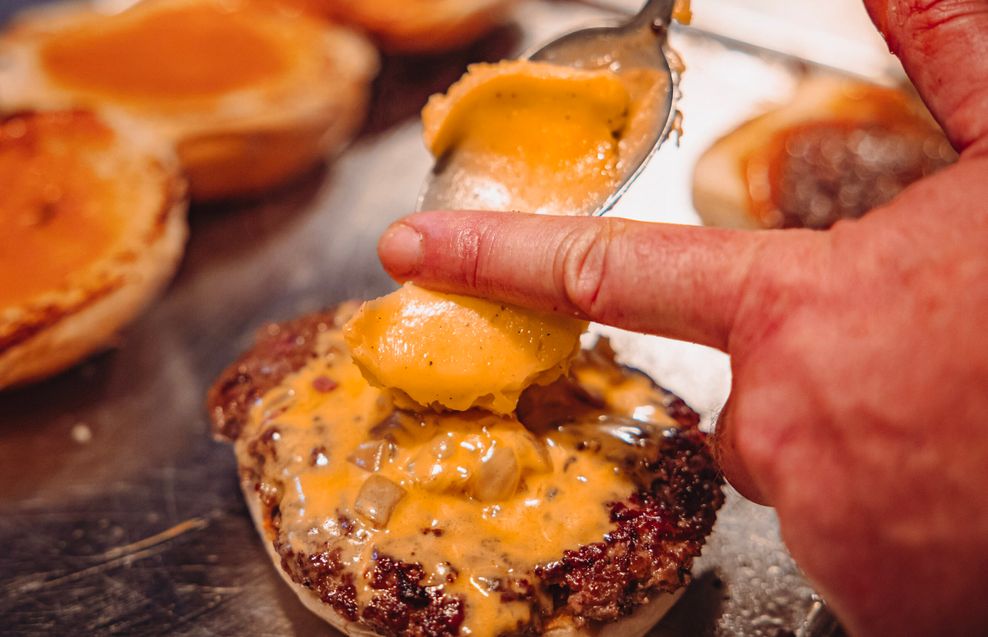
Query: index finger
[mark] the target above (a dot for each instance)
(678, 281)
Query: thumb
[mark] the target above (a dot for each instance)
(678, 281)
(943, 45)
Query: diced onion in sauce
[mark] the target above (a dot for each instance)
(370, 455)
(377, 499)
(498, 476)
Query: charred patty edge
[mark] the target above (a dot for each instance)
(279, 349)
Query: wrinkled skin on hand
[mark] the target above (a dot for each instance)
(859, 406)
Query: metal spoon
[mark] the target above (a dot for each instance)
(636, 43)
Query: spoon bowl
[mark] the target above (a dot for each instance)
(640, 42)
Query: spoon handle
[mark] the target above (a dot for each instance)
(655, 13)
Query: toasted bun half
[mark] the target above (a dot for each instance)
(412, 26)
(834, 139)
(250, 97)
(93, 211)
(390, 522)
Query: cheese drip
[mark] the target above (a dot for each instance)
(457, 352)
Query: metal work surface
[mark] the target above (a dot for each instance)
(119, 513)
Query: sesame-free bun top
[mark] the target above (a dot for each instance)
(249, 96)
(412, 26)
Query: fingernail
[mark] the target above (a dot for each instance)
(400, 249)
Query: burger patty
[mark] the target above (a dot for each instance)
(656, 532)
(279, 349)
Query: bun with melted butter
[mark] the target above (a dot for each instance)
(835, 150)
(93, 217)
(413, 26)
(578, 513)
(250, 97)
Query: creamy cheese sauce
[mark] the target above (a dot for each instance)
(556, 140)
(461, 508)
(538, 137)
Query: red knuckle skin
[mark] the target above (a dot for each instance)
(583, 255)
(943, 45)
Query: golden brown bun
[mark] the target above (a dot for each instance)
(47, 326)
(235, 141)
(412, 26)
(722, 190)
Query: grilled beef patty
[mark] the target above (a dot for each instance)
(655, 530)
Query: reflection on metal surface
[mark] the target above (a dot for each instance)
(820, 623)
(124, 555)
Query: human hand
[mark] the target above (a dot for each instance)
(859, 405)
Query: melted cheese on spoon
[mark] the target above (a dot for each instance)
(545, 136)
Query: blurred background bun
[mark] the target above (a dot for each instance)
(837, 149)
(412, 26)
(93, 215)
(250, 97)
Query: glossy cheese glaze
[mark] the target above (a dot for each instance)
(459, 352)
(57, 208)
(190, 51)
(544, 138)
(548, 134)
(474, 492)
